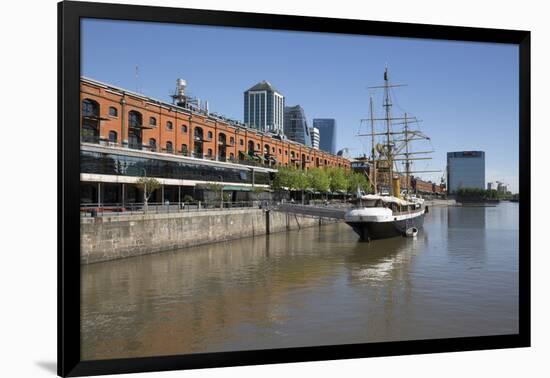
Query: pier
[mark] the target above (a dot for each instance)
(328, 212)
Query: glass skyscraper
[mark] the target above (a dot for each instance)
(264, 108)
(296, 128)
(327, 134)
(465, 169)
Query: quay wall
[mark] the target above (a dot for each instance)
(441, 202)
(109, 238)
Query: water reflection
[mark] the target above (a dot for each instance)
(311, 287)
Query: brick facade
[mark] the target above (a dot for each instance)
(163, 124)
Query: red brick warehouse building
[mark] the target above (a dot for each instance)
(125, 135)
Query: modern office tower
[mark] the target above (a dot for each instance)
(465, 169)
(264, 108)
(295, 125)
(502, 188)
(314, 133)
(327, 134)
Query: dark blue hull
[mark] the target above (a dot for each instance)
(381, 230)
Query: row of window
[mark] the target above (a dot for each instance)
(90, 113)
(113, 164)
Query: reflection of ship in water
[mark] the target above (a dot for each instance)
(386, 260)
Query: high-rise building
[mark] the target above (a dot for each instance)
(327, 134)
(492, 185)
(465, 169)
(314, 133)
(296, 128)
(502, 188)
(264, 108)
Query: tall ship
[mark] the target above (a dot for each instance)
(390, 211)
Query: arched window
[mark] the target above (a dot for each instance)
(280, 151)
(112, 136)
(198, 134)
(169, 147)
(197, 144)
(231, 141)
(209, 152)
(266, 149)
(90, 108)
(258, 147)
(152, 121)
(184, 149)
(251, 147)
(135, 122)
(222, 146)
(152, 144)
(90, 121)
(134, 119)
(241, 142)
(231, 156)
(113, 112)
(169, 125)
(209, 135)
(184, 129)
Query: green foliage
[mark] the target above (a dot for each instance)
(212, 187)
(477, 193)
(300, 179)
(290, 178)
(148, 185)
(356, 179)
(318, 179)
(257, 189)
(187, 198)
(338, 179)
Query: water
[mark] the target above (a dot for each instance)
(317, 286)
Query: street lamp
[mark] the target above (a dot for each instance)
(145, 188)
(221, 192)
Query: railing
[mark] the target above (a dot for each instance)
(114, 209)
(155, 148)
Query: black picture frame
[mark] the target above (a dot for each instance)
(69, 15)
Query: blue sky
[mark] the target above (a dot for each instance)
(465, 93)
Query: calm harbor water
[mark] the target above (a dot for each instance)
(316, 286)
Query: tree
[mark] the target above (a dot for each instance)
(355, 180)
(148, 185)
(217, 189)
(338, 180)
(318, 179)
(283, 178)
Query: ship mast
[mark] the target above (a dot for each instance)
(392, 151)
(373, 149)
(387, 104)
(407, 157)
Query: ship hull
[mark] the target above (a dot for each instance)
(371, 230)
